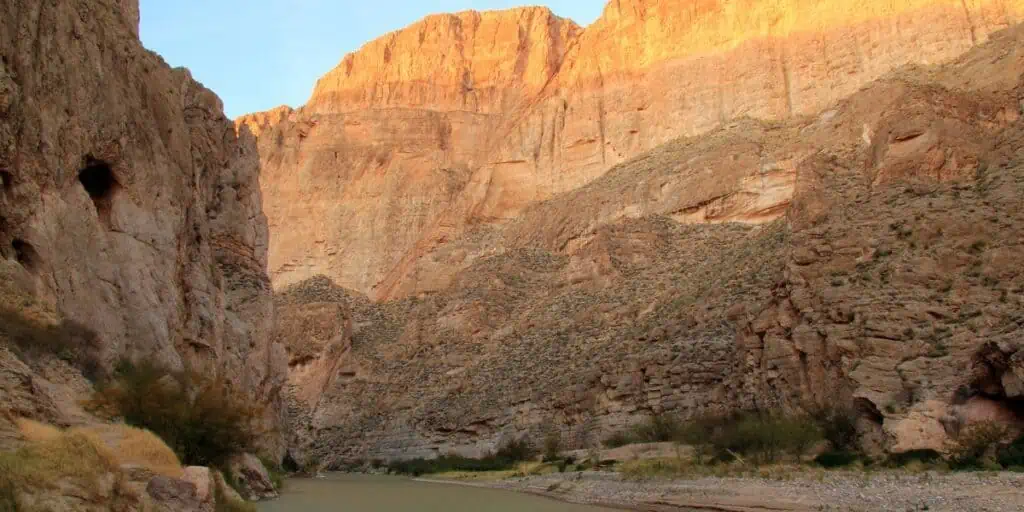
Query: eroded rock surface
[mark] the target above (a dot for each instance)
(129, 205)
(383, 166)
(885, 280)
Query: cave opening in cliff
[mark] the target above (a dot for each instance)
(25, 254)
(99, 182)
(6, 180)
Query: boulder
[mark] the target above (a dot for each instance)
(251, 477)
(175, 495)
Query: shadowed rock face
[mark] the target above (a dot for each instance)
(129, 204)
(871, 267)
(383, 165)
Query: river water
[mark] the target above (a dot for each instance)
(360, 493)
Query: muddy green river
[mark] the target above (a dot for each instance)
(357, 493)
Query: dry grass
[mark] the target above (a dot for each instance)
(681, 467)
(36, 432)
(119, 444)
(136, 447)
(534, 468)
(47, 463)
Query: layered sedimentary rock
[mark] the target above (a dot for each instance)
(886, 283)
(382, 166)
(129, 206)
(547, 253)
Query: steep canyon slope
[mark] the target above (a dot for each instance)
(129, 208)
(832, 226)
(471, 117)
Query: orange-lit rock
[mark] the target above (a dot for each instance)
(472, 117)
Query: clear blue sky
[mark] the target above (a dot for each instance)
(257, 54)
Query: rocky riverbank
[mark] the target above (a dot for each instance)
(796, 491)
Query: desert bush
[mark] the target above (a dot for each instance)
(699, 433)
(838, 426)
(836, 459)
(516, 450)
(449, 463)
(922, 456)
(69, 341)
(552, 446)
(975, 444)
(762, 438)
(617, 439)
(200, 419)
(507, 457)
(658, 428)
(1011, 456)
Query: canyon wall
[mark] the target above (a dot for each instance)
(129, 206)
(382, 166)
(888, 286)
(699, 209)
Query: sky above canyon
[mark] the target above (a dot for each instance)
(258, 54)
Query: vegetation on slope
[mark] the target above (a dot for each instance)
(200, 418)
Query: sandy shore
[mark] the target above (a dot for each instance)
(825, 491)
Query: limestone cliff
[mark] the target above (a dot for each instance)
(128, 206)
(886, 281)
(382, 165)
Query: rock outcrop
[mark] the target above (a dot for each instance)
(885, 280)
(382, 166)
(129, 206)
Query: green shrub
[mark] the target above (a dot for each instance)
(762, 438)
(275, 472)
(1012, 455)
(448, 463)
(506, 457)
(516, 450)
(974, 444)
(924, 456)
(617, 439)
(200, 419)
(836, 459)
(552, 446)
(699, 434)
(838, 426)
(225, 503)
(658, 428)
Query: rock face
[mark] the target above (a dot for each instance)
(129, 205)
(885, 280)
(252, 477)
(382, 166)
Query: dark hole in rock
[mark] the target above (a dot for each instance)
(99, 182)
(289, 464)
(25, 253)
(6, 180)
